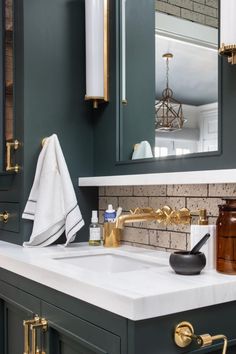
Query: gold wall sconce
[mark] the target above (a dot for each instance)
(228, 30)
(97, 42)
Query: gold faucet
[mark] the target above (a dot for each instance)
(165, 215)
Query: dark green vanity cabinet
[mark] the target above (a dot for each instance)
(49, 89)
(76, 327)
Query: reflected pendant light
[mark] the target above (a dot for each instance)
(168, 111)
(228, 30)
(96, 31)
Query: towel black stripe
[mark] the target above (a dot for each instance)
(73, 226)
(25, 212)
(71, 210)
(50, 236)
(32, 201)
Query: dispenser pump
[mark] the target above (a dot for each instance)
(94, 219)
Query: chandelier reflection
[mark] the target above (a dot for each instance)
(168, 111)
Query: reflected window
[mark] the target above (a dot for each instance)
(161, 151)
(182, 151)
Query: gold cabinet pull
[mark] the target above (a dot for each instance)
(26, 325)
(32, 327)
(12, 145)
(184, 335)
(4, 217)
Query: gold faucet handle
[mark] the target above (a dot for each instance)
(185, 216)
(141, 210)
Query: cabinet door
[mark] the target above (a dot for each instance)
(69, 334)
(15, 307)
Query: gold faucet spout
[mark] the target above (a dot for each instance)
(165, 215)
(129, 218)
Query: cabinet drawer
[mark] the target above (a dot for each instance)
(14, 216)
(75, 335)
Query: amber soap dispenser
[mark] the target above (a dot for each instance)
(226, 237)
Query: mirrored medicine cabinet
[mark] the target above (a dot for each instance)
(184, 64)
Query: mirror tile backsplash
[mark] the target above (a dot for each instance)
(156, 236)
(200, 11)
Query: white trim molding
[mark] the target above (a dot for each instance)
(190, 177)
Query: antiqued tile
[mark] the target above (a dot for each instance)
(178, 228)
(119, 191)
(149, 247)
(212, 3)
(222, 190)
(104, 201)
(205, 10)
(188, 4)
(185, 190)
(178, 241)
(173, 202)
(193, 16)
(150, 191)
(212, 21)
(128, 203)
(168, 8)
(154, 225)
(159, 238)
(136, 235)
(101, 216)
(212, 220)
(210, 204)
(188, 242)
(101, 191)
(127, 243)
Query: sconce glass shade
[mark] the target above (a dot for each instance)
(96, 29)
(228, 30)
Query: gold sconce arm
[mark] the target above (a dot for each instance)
(184, 336)
(32, 327)
(12, 145)
(4, 217)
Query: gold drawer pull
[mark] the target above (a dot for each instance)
(12, 145)
(184, 335)
(32, 327)
(4, 217)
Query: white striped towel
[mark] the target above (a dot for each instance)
(52, 203)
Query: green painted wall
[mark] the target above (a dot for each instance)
(50, 89)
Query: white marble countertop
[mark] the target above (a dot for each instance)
(136, 294)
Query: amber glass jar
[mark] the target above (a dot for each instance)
(226, 237)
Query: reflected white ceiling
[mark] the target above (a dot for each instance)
(193, 74)
(193, 71)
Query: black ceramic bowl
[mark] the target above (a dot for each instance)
(187, 264)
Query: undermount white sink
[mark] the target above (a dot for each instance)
(108, 263)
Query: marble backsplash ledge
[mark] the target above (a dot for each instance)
(156, 236)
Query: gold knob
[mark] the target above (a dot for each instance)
(4, 217)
